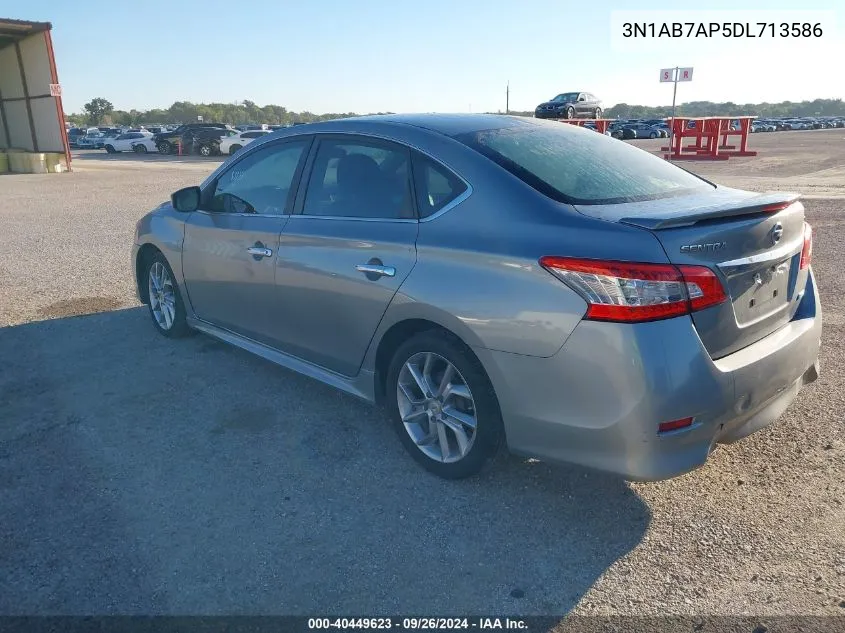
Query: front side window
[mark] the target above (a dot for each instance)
(435, 185)
(577, 166)
(566, 97)
(359, 179)
(260, 182)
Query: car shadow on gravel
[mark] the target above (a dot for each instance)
(145, 475)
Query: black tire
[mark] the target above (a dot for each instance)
(489, 433)
(110, 149)
(598, 113)
(235, 148)
(570, 112)
(164, 147)
(179, 327)
(140, 149)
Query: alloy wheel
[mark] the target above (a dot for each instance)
(162, 296)
(436, 407)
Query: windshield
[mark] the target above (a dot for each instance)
(566, 97)
(578, 166)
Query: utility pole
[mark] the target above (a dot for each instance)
(672, 124)
(508, 97)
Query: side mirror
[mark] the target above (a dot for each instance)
(186, 200)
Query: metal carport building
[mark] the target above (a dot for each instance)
(31, 114)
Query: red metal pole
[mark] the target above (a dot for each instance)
(716, 126)
(680, 125)
(745, 126)
(54, 77)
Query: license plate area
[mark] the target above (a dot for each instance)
(761, 292)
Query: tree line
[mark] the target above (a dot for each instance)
(100, 111)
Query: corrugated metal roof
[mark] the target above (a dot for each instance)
(12, 31)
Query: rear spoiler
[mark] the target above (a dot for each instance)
(762, 203)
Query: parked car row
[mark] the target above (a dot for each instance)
(585, 105)
(658, 128)
(206, 139)
(631, 129)
(806, 123)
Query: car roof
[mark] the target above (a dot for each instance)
(448, 124)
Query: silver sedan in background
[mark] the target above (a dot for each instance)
(498, 281)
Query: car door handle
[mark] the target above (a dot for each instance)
(259, 251)
(374, 269)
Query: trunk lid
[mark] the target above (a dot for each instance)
(752, 241)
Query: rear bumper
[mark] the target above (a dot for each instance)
(599, 400)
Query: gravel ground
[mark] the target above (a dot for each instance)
(142, 475)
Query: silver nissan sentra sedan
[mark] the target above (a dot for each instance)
(498, 281)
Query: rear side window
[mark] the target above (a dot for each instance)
(359, 179)
(435, 185)
(577, 166)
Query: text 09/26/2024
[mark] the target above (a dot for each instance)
(418, 623)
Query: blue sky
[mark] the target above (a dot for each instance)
(403, 56)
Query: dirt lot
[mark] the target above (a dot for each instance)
(810, 162)
(142, 475)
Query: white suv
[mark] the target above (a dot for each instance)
(141, 142)
(232, 144)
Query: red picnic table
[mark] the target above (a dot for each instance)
(601, 124)
(707, 131)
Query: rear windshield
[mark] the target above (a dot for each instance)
(579, 166)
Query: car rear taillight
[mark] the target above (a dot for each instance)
(633, 292)
(807, 250)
